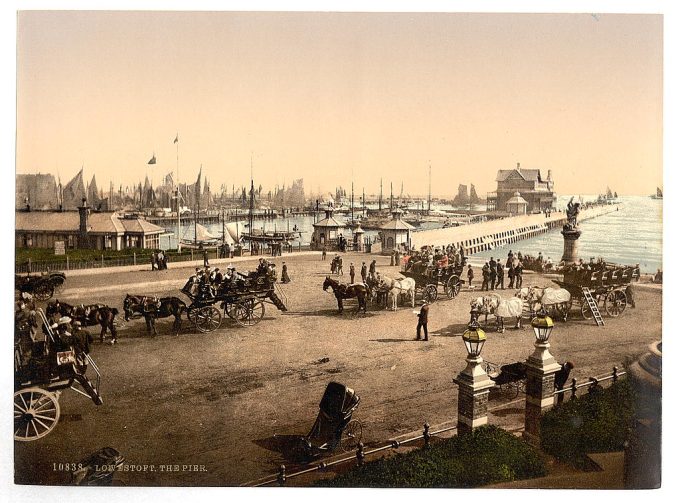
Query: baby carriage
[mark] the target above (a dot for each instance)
(334, 426)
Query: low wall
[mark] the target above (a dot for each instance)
(483, 236)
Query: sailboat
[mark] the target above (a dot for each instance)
(658, 195)
(201, 237)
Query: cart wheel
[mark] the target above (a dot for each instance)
(36, 413)
(249, 312)
(230, 310)
(585, 310)
(57, 284)
(191, 314)
(43, 291)
(351, 436)
(208, 318)
(452, 287)
(615, 303)
(430, 293)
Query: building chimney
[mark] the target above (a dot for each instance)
(549, 174)
(517, 165)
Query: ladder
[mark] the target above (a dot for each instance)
(593, 306)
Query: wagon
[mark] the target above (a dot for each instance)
(41, 372)
(42, 287)
(243, 300)
(602, 285)
(428, 280)
(508, 378)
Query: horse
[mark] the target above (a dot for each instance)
(87, 315)
(151, 307)
(556, 300)
(500, 308)
(342, 291)
(397, 287)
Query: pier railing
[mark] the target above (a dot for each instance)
(359, 456)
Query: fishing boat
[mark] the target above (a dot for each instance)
(658, 195)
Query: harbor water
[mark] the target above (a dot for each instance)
(632, 235)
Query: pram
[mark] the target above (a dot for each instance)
(334, 426)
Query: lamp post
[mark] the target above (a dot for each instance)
(540, 369)
(473, 382)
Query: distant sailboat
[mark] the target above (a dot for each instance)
(658, 195)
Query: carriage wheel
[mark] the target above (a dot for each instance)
(452, 287)
(430, 294)
(191, 314)
(249, 312)
(208, 318)
(231, 310)
(43, 291)
(57, 284)
(585, 310)
(351, 436)
(36, 413)
(615, 303)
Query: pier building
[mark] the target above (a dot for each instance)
(396, 233)
(327, 232)
(532, 187)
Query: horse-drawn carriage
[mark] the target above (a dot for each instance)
(42, 287)
(429, 278)
(601, 284)
(241, 297)
(42, 370)
(509, 378)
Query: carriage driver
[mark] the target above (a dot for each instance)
(62, 330)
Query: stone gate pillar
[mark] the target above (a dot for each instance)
(473, 395)
(540, 388)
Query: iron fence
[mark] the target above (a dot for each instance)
(592, 383)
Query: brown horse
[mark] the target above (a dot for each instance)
(87, 315)
(343, 291)
(154, 307)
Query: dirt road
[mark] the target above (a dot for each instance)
(209, 405)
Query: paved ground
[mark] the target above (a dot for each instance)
(217, 400)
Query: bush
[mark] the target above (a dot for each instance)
(487, 455)
(596, 422)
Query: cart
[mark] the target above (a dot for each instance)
(602, 285)
(241, 299)
(429, 279)
(42, 287)
(509, 378)
(52, 366)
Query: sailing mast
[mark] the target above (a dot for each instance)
(380, 198)
(429, 190)
(179, 223)
(352, 203)
(391, 198)
(251, 206)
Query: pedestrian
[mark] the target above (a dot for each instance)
(323, 253)
(371, 269)
(511, 275)
(470, 275)
(485, 276)
(492, 273)
(351, 272)
(422, 320)
(162, 264)
(500, 274)
(284, 273)
(339, 266)
(518, 275)
(364, 272)
(397, 258)
(154, 261)
(392, 258)
(561, 377)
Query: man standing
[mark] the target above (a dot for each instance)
(339, 266)
(492, 273)
(511, 274)
(485, 276)
(371, 269)
(364, 272)
(323, 253)
(205, 259)
(500, 274)
(422, 320)
(351, 272)
(561, 377)
(470, 276)
(284, 274)
(518, 275)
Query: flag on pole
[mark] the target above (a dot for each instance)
(153, 159)
(176, 138)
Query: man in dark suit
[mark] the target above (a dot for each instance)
(492, 273)
(561, 377)
(422, 320)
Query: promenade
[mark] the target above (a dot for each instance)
(227, 400)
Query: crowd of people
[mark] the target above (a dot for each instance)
(494, 272)
(159, 260)
(434, 258)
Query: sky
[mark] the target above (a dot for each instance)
(336, 97)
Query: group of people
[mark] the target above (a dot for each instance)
(494, 271)
(434, 258)
(159, 260)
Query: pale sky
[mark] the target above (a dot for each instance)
(333, 96)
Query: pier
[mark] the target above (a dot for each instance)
(483, 236)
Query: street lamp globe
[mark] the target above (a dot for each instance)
(542, 325)
(474, 338)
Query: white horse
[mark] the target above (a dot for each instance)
(500, 308)
(557, 301)
(397, 287)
